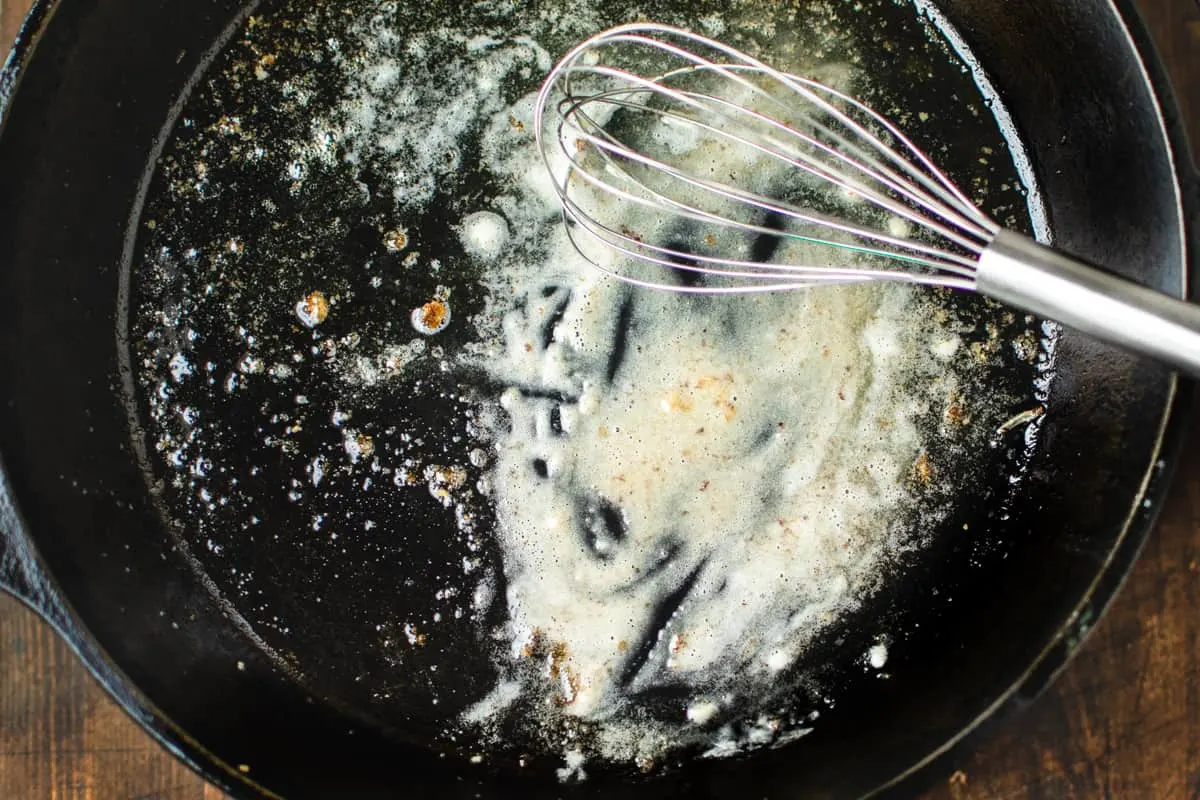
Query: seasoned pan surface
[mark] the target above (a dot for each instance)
(337, 656)
(332, 177)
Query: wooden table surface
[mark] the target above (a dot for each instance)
(1123, 721)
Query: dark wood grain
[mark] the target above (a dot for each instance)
(1123, 721)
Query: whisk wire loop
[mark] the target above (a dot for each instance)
(852, 154)
(653, 199)
(685, 165)
(608, 145)
(733, 102)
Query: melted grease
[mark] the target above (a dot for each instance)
(549, 548)
(755, 452)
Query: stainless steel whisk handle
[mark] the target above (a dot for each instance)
(1016, 270)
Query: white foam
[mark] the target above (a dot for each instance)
(702, 711)
(780, 529)
(877, 656)
(484, 235)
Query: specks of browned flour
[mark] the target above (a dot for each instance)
(467, 483)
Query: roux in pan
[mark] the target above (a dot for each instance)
(578, 519)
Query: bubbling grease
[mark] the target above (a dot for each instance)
(689, 495)
(754, 452)
(690, 489)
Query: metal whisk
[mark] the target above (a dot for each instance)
(698, 168)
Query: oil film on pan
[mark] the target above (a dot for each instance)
(404, 429)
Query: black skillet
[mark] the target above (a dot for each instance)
(85, 97)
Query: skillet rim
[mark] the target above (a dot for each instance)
(23, 574)
(1161, 475)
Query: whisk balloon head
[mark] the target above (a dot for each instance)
(683, 163)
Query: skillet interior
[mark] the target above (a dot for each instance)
(89, 115)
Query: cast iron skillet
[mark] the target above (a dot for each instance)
(85, 96)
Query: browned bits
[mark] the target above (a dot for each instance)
(433, 314)
(452, 477)
(228, 126)
(366, 445)
(923, 470)
(956, 413)
(313, 309)
(677, 400)
(558, 669)
(532, 644)
(558, 656)
(1025, 346)
(318, 305)
(570, 689)
(396, 239)
(719, 387)
(561, 671)
(629, 233)
(415, 637)
(443, 481)
(516, 124)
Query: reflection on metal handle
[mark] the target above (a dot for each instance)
(1020, 272)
